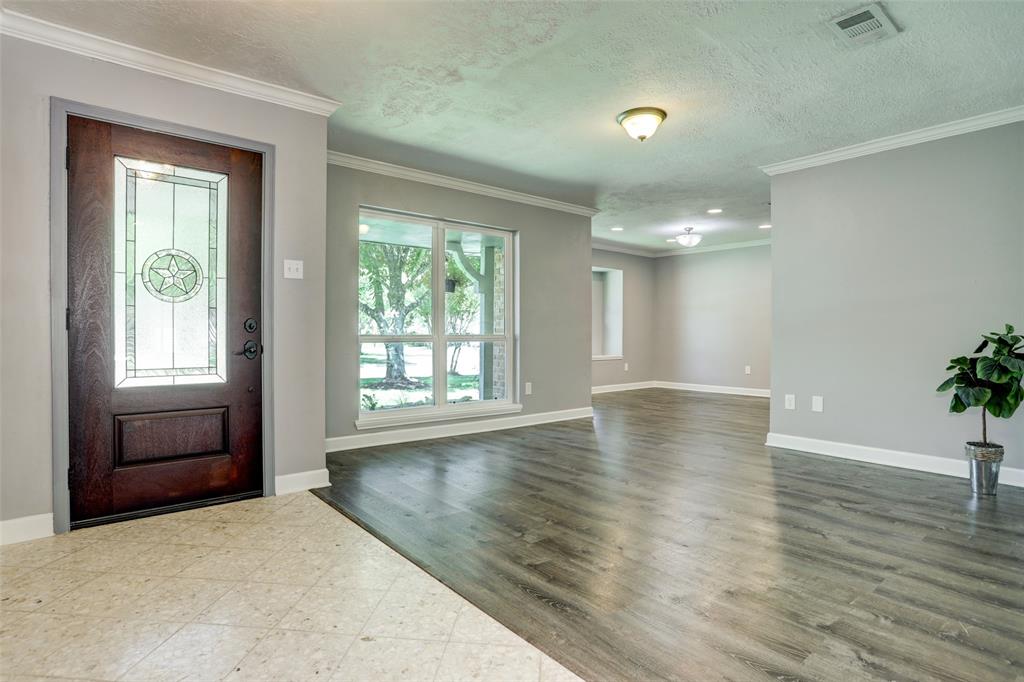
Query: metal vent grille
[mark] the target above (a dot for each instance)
(864, 25)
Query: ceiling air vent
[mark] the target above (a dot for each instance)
(864, 25)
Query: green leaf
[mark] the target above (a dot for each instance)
(1015, 365)
(956, 405)
(1005, 342)
(990, 369)
(982, 346)
(1009, 329)
(947, 384)
(973, 396)
(962, 361)
(1004, 401)
(999, 408)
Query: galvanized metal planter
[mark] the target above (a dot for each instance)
(984, 459)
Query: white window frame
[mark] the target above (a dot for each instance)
(439, 338)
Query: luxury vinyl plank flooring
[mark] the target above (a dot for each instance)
(664, 541)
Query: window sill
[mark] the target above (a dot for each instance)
(598, 358)
(435, 414)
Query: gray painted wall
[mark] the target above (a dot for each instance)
(553, 286)
(638, 317)
(31, 74)
(714, 317)
(885, 267)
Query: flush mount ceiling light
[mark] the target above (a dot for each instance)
(714, 210)
(617, 229)
(689, 239)
(766, 226)
(641, 122)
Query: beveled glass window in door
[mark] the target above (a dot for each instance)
(170, 274)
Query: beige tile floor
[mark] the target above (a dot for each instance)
(278, 588)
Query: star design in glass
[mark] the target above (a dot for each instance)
(172, 275)
(178, 276)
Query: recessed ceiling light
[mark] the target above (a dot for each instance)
(689, 239)
(363, 228)
(671, 240)
(641, 122)
(766, 226)
(616, 229)
(714, 210)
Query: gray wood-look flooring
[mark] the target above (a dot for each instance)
(664, 541)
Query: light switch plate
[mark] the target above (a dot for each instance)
(528, 389)
(293, 269)
(790, 401)
(746, 369)
(817, 403)
(626, 366)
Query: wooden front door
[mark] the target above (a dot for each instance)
(164, 333)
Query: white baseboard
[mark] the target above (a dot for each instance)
(710, 388)
(304, 480)
(26, 528)
(946, 466)
(700, 388)
(614, 388)
(369, 440)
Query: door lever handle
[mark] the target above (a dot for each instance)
(250, 349)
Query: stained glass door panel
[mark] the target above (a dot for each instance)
(170, 274)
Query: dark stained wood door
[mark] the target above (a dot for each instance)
(164, 333)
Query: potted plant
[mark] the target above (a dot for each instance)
(994, 383)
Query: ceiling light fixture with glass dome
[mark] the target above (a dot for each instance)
(689, 239)
(641, 122)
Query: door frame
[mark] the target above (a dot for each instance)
(60, 411)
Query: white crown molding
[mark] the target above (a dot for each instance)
(602, 245)
(438, 180)
(389, 437)
(936, 132)
(613, 247)
(61, 37)
(26, 528)
(716, 247)
(946, 466)
(303, 480)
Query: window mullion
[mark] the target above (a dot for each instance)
(511, 378)
(437, 318)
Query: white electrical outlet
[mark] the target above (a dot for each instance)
(817, 403)
(746, 369)
(293, 269)
(528, 389)
(790, 401)
(626, 366)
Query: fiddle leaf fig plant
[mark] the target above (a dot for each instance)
(992, 382)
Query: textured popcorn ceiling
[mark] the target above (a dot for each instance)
(524, 95)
